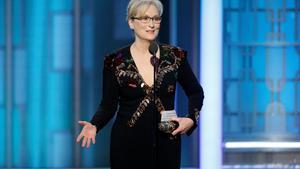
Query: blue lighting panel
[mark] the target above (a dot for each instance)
(289, 26)
(59, 5)
(236, 63)
(19, 90)
(121, 27)
(58, 112)
(2, 25)
(232, 3)
(298, 96)
(18, 26)
(290, 3)
(61, 149)
(2, 78)
(260, 62)
(292, 63)
(17, 141)
(263, 96)
(2, 110)
(246, 25)
(2, 136)
(20, 73)
(287, 93)
(88, 44)
(232, 28)
(275, 6)
(260, 4)
(62, 42)
(246, 91)
(59, 101)
(36, 43)
(262, 31)
(232, 88)
(275, 68)
(261, 66)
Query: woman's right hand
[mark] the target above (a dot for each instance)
(88, 133)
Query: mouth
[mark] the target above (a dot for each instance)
(150, 31)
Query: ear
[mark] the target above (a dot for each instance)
(130, 23)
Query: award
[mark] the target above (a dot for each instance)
(167, 125)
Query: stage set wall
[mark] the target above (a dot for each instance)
(261, 91)
(51, 61)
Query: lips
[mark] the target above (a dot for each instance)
(150, 31)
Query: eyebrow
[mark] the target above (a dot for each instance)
(150, 16)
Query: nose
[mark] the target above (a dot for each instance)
(151, 23)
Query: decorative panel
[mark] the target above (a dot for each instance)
(261, 69)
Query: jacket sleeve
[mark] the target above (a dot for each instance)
(110, 98)
(192, 89)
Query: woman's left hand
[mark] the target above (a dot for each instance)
(184, 125)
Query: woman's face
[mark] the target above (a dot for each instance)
(146, 24)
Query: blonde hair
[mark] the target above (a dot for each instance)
(134, 6)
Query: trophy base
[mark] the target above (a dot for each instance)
(168, 126)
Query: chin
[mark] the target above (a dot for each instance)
(151, 38)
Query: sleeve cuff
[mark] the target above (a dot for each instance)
(195, 117)
(94, 124)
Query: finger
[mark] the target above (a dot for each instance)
(84, 142)
(88, 142)
(176, 131)
(82, 123)
(79, 137)
(94, 140)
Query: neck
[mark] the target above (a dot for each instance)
(142, 45)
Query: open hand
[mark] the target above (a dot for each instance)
(88, 133)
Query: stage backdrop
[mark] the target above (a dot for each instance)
(261, 78)
(51, 61)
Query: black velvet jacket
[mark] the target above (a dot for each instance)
(125, 92)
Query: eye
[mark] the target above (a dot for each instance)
(157, 18)
(145, 18)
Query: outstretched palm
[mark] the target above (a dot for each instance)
(88, 133)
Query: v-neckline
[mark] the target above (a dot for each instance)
(137, 70)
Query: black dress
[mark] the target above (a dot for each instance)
(125, 92)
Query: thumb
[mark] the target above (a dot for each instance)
(176, 131)
(175, 119)
(82, 123)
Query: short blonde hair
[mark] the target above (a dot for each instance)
(134, 6)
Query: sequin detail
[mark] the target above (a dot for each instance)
(195, 115)
(124, 67)
(141, 108)
(171, 88)
(171, 58)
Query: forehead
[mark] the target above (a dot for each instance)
(149, 10)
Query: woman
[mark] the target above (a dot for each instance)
(128, 85)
